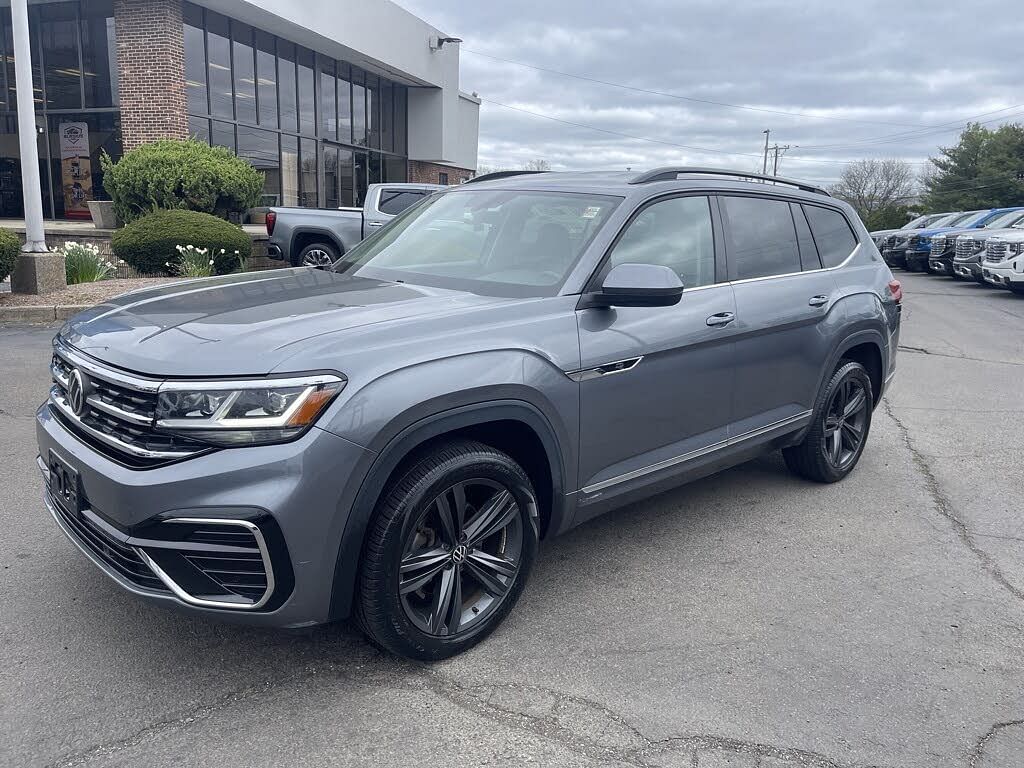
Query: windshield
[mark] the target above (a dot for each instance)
(945, 220)
(919, 222)
(494, 242)
(968, 219)
(1005, 220)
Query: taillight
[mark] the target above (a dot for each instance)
(896, 290)
(271, 221)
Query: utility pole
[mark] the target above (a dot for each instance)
(764, 166)
(35, 240)
(778, 150)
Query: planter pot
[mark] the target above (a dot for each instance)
(103, 216)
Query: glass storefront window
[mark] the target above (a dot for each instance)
(289, 170)
(222, 135)
(307, 97)
(99, 54)
(358, 109)
(387, 117)
(7, 60)
(401, 119)
(344, 104)
(345, 178)
(218, 47)
(308, 196)
(373, 111)
(243, 62)
(328, 100)
(260, 148)
(199, 128)
(58, 33)
(195, 60)
(286, 85)
(266, 79)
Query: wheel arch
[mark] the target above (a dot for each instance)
(309, 235)
(514, 426)
(867, 347)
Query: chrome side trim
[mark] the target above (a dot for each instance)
(101, 371)
(626, 477)
(58, 401)
(185, 597)
(605, 369)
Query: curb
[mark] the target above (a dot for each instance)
(40, 314)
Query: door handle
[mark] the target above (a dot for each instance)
(721, 318)
(818, 301)
(375, 223)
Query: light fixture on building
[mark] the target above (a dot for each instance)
(437, 43)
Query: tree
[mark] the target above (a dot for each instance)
(539, 164)
(980, 171)
(879, 190)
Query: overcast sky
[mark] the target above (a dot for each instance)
(898, 67)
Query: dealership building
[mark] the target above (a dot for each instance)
(323, 96)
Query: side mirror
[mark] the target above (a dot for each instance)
(637, 285)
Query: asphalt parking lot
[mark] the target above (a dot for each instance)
(749, 620)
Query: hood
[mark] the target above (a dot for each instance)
(1013, 235)
(247, 324)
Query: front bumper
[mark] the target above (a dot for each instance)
(895, 257)
(969, 269)
(941, 264)
(167, 534)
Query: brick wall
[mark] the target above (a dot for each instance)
(427, 173)
(151, 70)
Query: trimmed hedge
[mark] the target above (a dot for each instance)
(173, 174)
(149, 243)
(10, 247)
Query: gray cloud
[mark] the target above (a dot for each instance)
(897, 67)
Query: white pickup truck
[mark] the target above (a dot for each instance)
(317, 237)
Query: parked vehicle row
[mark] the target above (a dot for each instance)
(986, 246)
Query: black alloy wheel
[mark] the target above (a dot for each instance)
(461, 557)
(844, 421)
(839, 427)
(448, 551)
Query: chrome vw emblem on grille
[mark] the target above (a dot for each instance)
(76, 392)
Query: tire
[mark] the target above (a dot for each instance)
(397, 605)
(815, 458)
(318, 255)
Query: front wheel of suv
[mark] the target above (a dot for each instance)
(839, 429)
(448, 551)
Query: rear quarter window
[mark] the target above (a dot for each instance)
(832, 234)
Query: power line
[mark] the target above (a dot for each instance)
(693, 99)
(660, 141)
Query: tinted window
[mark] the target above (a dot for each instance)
(674, 233)
(761, 237)
(394, 201)
(808, 252)
(832, 233)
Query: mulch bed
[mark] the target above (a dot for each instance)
(82, 294)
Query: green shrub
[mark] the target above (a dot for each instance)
(10, 247)
(150, 244)
(186, 175)
(83, 263)
(192, 262)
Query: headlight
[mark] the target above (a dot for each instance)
(236, 413)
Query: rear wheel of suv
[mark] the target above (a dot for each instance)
(839, 430)
(448, 551)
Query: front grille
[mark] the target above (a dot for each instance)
(117, 414)
(914, 240)
(996, 250)
(965, 247)
(890, 241)
(938, 246)
(121, 557)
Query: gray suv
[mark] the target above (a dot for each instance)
(393, 436)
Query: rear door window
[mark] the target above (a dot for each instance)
(761, 237)
(394, 201)
(832, 234)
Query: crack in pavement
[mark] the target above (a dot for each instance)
(945, 507)
(931, 353)
(978, 751)
(546, 711)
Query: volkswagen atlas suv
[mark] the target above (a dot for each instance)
(392, 437)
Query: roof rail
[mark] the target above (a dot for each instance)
(670, 173)
(499, 175)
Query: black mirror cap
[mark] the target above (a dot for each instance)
(638, 285)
